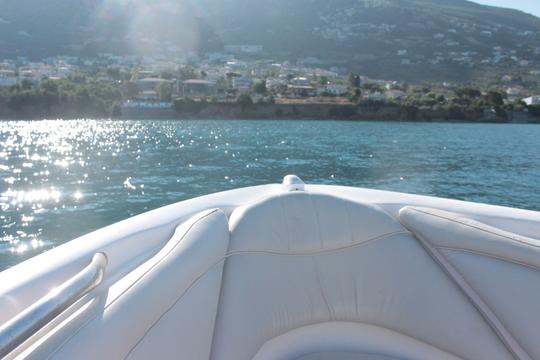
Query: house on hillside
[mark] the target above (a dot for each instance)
(301, 91)
(147, 89)
(243, 49)
(197, 88)
(334, 89)
(275, 83)
(150, 84)
(242, 84)
(375, 96)
(395, 94)
(532, 100)
(514, 91)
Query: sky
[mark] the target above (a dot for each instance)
(529, 6)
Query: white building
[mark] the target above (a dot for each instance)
(334, 89)
(300, 80)
(243, 49)
(275, 83)
(242, 83)
(375, 96)
(532, 100)
(394, 94)
(514, 91)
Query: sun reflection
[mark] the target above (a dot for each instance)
(31, 196)
(21, 248)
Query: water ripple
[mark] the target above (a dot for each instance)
(61, 179)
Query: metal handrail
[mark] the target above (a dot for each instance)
(21, 327)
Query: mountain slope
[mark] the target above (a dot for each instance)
(369, 33)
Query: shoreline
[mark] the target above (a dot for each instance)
(284, 112)
(163, 118)
(362, 111)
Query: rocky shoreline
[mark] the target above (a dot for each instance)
(313, 111)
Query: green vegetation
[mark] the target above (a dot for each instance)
(260, 87)
(164, 91)
(90, 94)
(354, 85)
(78, 95)
(245, 102)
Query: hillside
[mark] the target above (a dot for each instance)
(380, 37)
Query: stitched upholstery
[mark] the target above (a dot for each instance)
(355, 341)
(304, 259)
(503, 268)
(166, 307)
(302, 274)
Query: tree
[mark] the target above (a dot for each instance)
(50, 86)
(495, 98)
(467, 93)
(245, 101)
(354, 81)
(114, 73)
(134, 73)
(166, 75)
(187, 72)
(260, 87)
(26, 84)
(164, 91)
(372, 87)
(354, 95)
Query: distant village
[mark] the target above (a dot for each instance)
(450, 42)
(162, 86)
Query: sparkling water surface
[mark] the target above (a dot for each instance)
(62, 179)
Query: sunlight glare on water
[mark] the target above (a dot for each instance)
(62, 179)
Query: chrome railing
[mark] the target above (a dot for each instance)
(21, 327)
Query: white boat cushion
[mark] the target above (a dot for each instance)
(302, 259)
(353, 341)
(166, 307)
(299, 222)
(502, 267)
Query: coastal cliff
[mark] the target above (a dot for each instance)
(375, 112)
(387, 112)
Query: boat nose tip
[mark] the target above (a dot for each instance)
(292, 183)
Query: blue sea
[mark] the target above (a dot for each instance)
(62, 179)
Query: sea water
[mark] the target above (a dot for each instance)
(61, 179)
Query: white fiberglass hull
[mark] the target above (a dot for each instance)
(131, 244)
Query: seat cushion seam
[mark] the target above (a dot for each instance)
(316, 252)
(231, 254)
(489, 316)
(159, 261)
(180, 297)
(479, 228)
(133, 284)
(498, 257)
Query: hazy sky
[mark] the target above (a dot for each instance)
(530, 6)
